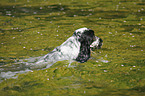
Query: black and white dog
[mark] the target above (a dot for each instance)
(77, 47)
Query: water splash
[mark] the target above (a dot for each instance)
(9, 74)
(25, 65)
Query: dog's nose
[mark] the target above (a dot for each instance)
(100, 40)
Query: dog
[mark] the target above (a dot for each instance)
(77, 47)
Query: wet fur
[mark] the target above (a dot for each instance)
(86, 40)
(76, 47)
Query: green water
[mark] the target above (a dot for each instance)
(31, 28)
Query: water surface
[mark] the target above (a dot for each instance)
(32, 28)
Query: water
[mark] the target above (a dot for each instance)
(31, 29)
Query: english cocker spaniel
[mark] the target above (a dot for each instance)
(76, 47)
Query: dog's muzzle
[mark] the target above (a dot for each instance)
(97, 44)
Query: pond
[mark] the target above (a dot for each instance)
(32, 28)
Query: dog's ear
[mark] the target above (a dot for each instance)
(86, 40)
(84, 54)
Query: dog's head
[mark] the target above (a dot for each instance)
(97, 43)
(85, 35)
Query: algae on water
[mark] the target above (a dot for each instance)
(33, 28)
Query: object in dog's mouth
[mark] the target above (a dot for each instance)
(97, 44)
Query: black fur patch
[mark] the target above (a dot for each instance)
(86, 40)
